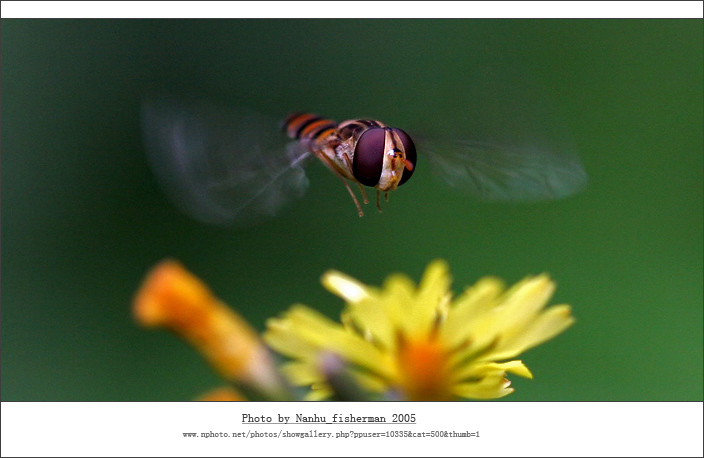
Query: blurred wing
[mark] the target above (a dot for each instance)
(506, 173)
(502, 135)
(222, 167)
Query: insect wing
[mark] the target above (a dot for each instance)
(222, 167)
(500, 172)
(506, 140)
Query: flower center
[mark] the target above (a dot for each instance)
(423, 366)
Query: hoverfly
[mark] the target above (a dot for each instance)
(233, 167)
(363, 151)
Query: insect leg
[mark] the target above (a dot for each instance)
(364, 194)
(359, 185)
(331, 166)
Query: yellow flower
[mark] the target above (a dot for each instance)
(173, 298)
(417, 343)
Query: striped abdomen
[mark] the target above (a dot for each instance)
(306, 126)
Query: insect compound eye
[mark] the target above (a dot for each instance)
(369, 156)
(411, 155)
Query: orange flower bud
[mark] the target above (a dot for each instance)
(173, 298)
(221, 394)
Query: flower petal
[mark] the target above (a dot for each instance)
(490, 387)
(371, 318)
(517, 367)
(473, 303)
(345, 286)
(301, 374)
(433, 289)
(173, 298)
(511, 315)
(282, 336)
(319, 392)
(545, 326)
(398, 303)
(305, 328)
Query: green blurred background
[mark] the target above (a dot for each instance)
(83, 218)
